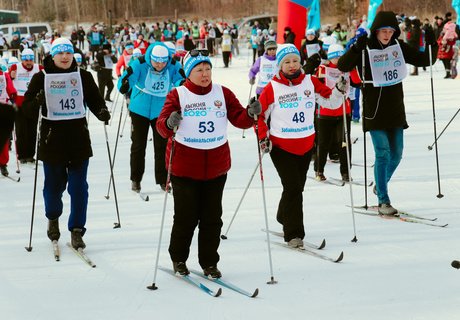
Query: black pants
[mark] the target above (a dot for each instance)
(292, 170)
(197, 203)
(26, 135)
(226, 56)
(330, 132)
(104, 79)
(139, 134)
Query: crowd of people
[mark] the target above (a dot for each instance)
(306, 99)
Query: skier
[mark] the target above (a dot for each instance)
(384, 114)
(265, 66)
(201, 158)
(62, 92)
(150, 78)
(7, 99)
(26, 128)
(125, 58)
(106, 60)
(288, 102)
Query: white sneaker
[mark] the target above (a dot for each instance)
(295, 243)
(387, 209)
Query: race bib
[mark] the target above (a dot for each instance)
(388, 66)
(157, 84)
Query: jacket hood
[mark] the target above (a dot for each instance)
(386, 19)
(148, 52)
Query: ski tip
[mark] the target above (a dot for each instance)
(322, 245)
(455, 264)
(152, 287)
(256, 292)
(29, 249)
(340, 258)
(218, 293)
(223, 237)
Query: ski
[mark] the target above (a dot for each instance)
(362, 165)
(310, 252)
(361, 183)
(82, 255)
(308, 244)
(227, 285)
(142, 195)
(338, 183)
(194, 282)
(12, 179)
(400, 217)
(401, 213)
(56, 250)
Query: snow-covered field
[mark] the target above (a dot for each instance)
(396, 270)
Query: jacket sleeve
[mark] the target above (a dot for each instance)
(120, 64)
(171, 104)
(10, 89)
(327, 97)
(178, 77)
(236, 113)
(349, 60)
(91, 95)
(417, 58)
(266, 100)
(254, 69)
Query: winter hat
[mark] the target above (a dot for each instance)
(137, 52)
(12, 61)
(129, 45)
(171, 47)
(159, 53)
(327, 41)
(310, 32)
(77, 57)
(27, 54)
(61, 45)
(284, 51)
(107, 46)
(270, 44)
(335, 51)
(190, 62)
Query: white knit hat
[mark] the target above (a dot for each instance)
(335, 51)
(159, 53)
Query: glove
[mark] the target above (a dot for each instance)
(173, 120)
(124, 88)
(312, 63)
(104, 115)
(342, 85)
(252, 81)
(265, 145)
(361, 40)
(40, 98)
(254, 108)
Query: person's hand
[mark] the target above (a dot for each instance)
(265, 145)
(104, 115)
(254, 108)
(361, 40)
(342, 85)
(40, 98)
(252, 81)
(312, 63)
(124, 88)
(173, 120)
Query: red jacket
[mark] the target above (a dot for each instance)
(325, 112)
(446, 48)
(121, 63)
(195, 163)
(142, 45)
(298, 146)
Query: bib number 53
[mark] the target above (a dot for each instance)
(204, 126)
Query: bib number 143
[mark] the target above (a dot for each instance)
(67, 104)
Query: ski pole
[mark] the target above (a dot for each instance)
(363, 57)
(116, 224)
(114, 106)
(439, 195)
(37, 145)
(224, 236)
(249, 100)
(347, 146)
(124, 121)
(435, 141)
(115, 151)
(261, 171)
(18, 170)
(168, 181)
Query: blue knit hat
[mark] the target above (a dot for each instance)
(61, 45)
(190, 62)
(285, 50)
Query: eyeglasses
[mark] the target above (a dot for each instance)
(196, 52)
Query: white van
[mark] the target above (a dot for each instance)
(24, 28)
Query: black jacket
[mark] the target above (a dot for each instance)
(383, 107)
(63, 141)
(7, 115)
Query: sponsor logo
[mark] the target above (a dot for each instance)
(218, 103)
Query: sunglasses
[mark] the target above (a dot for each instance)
(196, 53)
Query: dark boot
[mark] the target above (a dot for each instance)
(4, 171)
(212, 272)
(180, 268)
(76, 239)
(447, 75)
(136, 186)
(53, 230)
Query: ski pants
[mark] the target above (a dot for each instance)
(139, 133)
(197, 203)
(388, 149)
(104, 79)
(26, 135)
(74, 177)
(292, 170)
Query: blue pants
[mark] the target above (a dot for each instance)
(388, 148)
(355, 106)
(57, 176)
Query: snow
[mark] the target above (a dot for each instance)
(396, 270)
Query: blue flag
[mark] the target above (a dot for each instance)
(373, 6)
(303, 3)
(456, 6)
(314, 19)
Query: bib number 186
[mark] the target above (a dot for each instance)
(390, 75)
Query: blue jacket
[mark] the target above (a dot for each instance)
(144, 102)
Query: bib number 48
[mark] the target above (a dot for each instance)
(67, 104)
(298, 117)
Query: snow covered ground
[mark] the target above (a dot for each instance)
(396, 270)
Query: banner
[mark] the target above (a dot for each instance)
(303, 3)
(456, 6)
(314, 19)
(373, 6)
